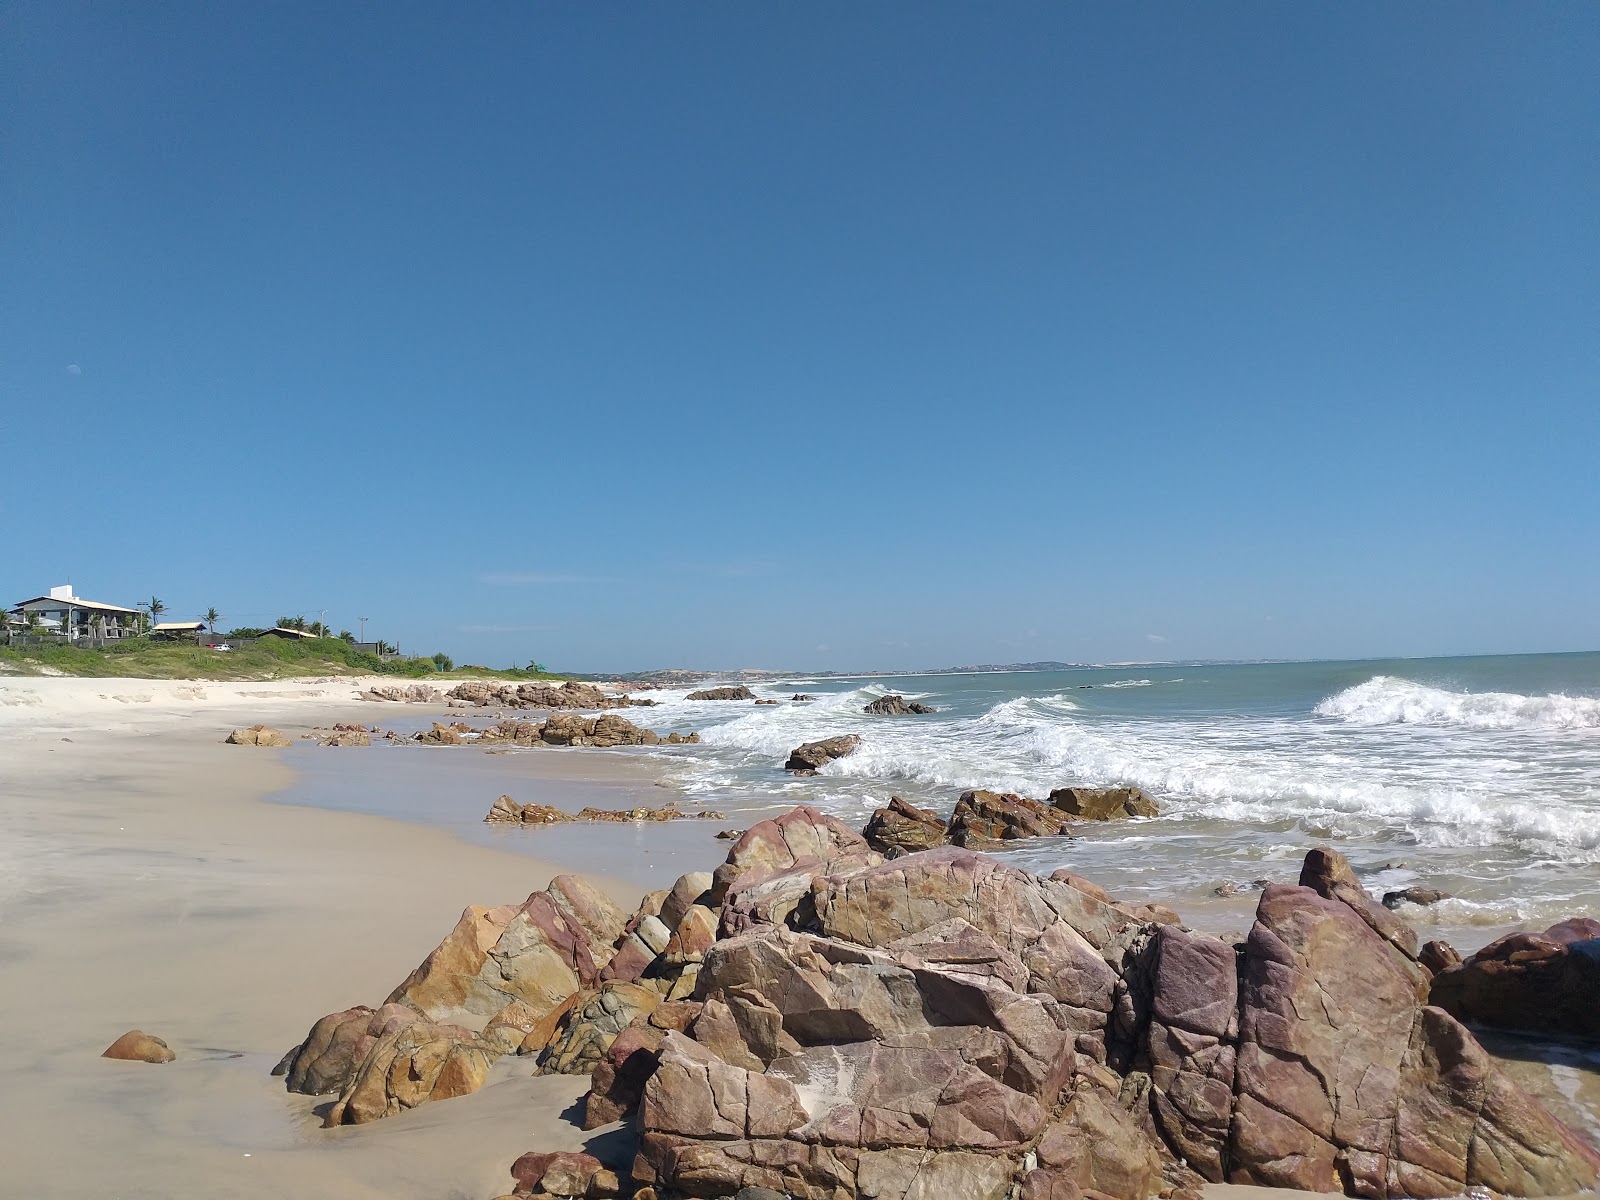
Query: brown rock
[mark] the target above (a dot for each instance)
(1543, 983)
(896, 706)
(257, 735)
(412, 1063)
(1414, 895)
(137, 1046)
(982, 819)
(563, 1173)
(903, 828)
(1104, 804)
(806, 759)
(722, 693)
(800, 834)
(591, 1028)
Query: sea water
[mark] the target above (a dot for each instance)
(1475, 776)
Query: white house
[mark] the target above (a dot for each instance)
(78, 619)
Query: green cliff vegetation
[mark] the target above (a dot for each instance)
(267, 658)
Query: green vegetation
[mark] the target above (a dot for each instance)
(269, 658)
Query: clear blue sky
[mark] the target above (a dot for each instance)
(823, 336)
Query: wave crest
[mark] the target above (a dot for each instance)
(1386, 700)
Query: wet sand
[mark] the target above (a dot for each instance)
(146, 885)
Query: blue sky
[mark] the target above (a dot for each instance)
(814, 336)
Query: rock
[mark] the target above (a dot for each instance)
(1096, 1148)
(1414, 895)
(443, 735)
(766, 702)
(257, 735)
(1545, 983)
(336, 1047)
(722, 693)
(138, 1046)
(903, 828)
(1344, 1079)
(983, 819)
(802, 697)
(1437, 956)
(413, 1062)
(508, 810)
(563, 1173)
(896, 706)
(401, 693)
(1329, 874)
(808, 758)
(347, 737)
(687, 891)
(800, 836)
(591, 1028)
(1104, 804)
(540, 695)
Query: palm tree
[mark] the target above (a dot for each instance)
(211, 618)
(156, 609)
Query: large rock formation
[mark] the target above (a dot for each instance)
(896, 706)
(983, 820)
(807, 758)
(1537, 982)
(403, 693)
(1103, 804)
(539, 695)
(822, 1023)
(722, 693)
(903, 828)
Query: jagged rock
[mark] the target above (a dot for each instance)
(1096, 1148)
(413, 1061)
(1437, 956)
(1103, 804)
(619, 1077)
(591, 1028)
(982, 820)
(801, 836)
(802, 697)
(722, 693)
(1414, 895)
(1329, 874)
(563, 1173)
(1344, 1078)
(138, 1046)
(336, 1047)
(896, 706)
(403, 693)
(1545, 983)
(808, 758)
(346, 737)
(507, 810)
(257, 735)
(903, 828)
(443, 735)
(539, 695)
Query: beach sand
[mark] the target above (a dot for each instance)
(145, 883)
(147, 886)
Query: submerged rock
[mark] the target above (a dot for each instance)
(138, 1046)
(896, 706)
(807, 758)
(257, 735)
(1103, 804)
(982, 820)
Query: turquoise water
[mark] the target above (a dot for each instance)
(1478, 776)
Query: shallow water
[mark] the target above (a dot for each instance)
(1476, 776)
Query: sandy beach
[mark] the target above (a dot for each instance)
(148, 884)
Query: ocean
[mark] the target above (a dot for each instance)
(1477, 776)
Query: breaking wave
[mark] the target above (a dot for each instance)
(1385, 700)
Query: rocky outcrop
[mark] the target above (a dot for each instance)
(138, 1046)
(507, 810)
(561, 729)
(821, 1023)
(346, 737)
(1538, 982)
(539, 695)
(403, 693)
(896, 706)
(1103, 804)
(722, 693)
(564, 1173)
(257, 735)
(984, 820)
(1421, 896)
(806, 759)
(903, 828)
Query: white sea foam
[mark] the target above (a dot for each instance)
(1386, 700)
(1127, 683)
